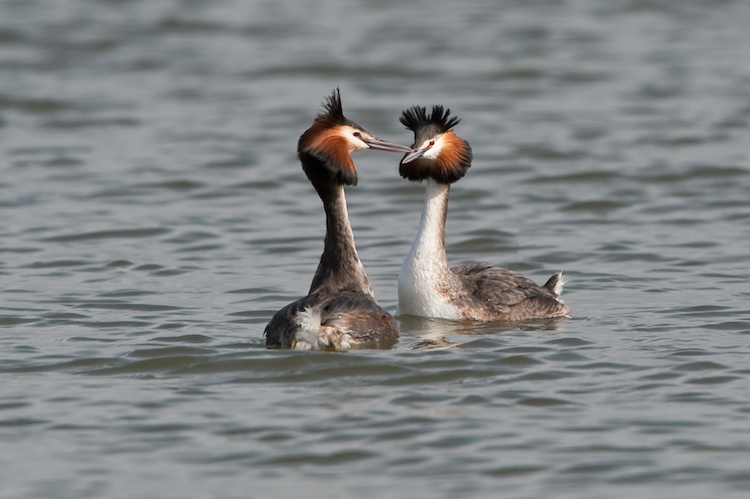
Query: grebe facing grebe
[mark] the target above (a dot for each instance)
(340, 311)
(427, 287)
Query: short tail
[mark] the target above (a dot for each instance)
(555, 284)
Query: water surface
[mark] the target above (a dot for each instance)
(153, 217)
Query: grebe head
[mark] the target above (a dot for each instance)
(331, 140)
(437, 153)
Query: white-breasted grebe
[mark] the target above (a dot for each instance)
(340, 311)
(427, 287)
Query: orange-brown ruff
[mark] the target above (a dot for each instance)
(322, 140)
(340, 311)
(451, 164)
(426, 285)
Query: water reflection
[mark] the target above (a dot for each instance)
(426, 333)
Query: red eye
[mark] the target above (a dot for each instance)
(432, 142)
(357, 134)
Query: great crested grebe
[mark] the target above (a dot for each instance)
(340, 311)
(427, 287)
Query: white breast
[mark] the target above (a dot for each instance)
(419, 289)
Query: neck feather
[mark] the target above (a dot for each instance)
(340, 268)
(430, 242)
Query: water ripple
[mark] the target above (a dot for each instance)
(154, 217)
(110, 234)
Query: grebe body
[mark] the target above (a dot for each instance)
(427, 286)
(340, 311)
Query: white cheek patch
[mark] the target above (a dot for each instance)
(434, 151)
(355, 143)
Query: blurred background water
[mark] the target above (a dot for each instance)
(153, 217)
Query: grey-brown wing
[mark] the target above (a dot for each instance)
(497, 288)
(361, 317)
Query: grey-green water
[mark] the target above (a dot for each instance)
(153, 217)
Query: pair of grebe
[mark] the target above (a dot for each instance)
(340, 311)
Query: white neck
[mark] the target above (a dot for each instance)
(430, 242)
(425, 273)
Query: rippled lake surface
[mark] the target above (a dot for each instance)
(153, 217)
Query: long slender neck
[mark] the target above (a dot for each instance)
(340, 268)
(429, 245)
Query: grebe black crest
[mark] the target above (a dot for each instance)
(427, 287)
(340, 311)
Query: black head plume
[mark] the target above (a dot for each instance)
(418, 121)
(333, 113)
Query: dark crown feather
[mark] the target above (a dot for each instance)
(334, 114)
(416, 117)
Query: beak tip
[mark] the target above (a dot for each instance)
(384, 145)
(412, 155)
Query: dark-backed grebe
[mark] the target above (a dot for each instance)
(340, 311)
(427, 287)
